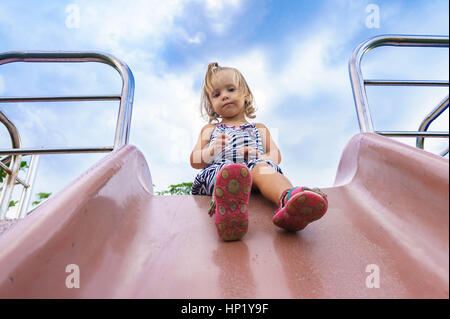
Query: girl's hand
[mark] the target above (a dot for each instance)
(219, 144)
(248, 151)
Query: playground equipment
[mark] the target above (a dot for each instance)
(385, 235)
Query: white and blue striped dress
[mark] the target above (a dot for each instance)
(245, 135)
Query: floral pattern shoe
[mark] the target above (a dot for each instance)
(230, 204)
(300, 206)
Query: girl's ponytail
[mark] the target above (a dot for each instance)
(211, 67)
(205, 104)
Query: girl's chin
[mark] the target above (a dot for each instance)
(229, 114)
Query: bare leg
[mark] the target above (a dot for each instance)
(269, 182)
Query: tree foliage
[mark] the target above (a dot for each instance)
(177, 189)
(41, 196)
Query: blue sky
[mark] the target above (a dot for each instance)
(294, 55)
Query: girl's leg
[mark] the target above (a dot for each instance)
(303, 207)
(269, 182)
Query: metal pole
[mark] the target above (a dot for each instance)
(29, 151)
(356, 78)
(127, 94)
(24, 201)
(438, 110)
(123, 120)
(10, 180)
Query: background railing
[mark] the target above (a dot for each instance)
(434, 114)
(359, 85)
(16, 152)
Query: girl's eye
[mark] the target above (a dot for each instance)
(231, 89)
(216, 94)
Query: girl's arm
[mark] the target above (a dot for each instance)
(271, 150)
(201, 154)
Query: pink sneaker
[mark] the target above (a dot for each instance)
(231, 194)
(300, 206)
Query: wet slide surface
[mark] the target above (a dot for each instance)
(388, 219)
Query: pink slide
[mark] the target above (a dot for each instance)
(385, 235)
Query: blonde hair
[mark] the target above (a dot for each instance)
(205, 103)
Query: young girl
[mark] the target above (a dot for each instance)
(235, 155)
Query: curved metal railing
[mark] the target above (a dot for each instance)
(122, 131)
(14, 165)
(359, 83)
(126, 96)
(12, 177)
(438, 110)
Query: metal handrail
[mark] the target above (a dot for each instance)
(438, 110)
(126, 98)
(6, 160)
(14, 160)
(25, 198)
(62, 150)
(14, 164)
(12, 130)
(14, 99)
(406, 82)
(27, 184)
(438, 134)
(358, 83)
(15, 154)
(9, 171)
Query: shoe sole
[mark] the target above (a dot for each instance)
(232, 191)
(302, 209)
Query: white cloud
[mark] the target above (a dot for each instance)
(220, 13)
(307, 72)
(111, 22)
(254, 65)
(216, 7)
(197, 39)
(166, 121)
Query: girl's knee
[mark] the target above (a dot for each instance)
(262, 168)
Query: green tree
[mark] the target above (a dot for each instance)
(176, 189)
(41, 196)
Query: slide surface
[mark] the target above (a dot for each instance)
(385, 235)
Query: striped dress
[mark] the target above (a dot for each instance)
(245, 135)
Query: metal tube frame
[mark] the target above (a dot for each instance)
(15, 154)
(438, 110)
(358, 83)
(14, 164)
(25, 198)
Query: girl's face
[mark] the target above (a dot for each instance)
(226, 98)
